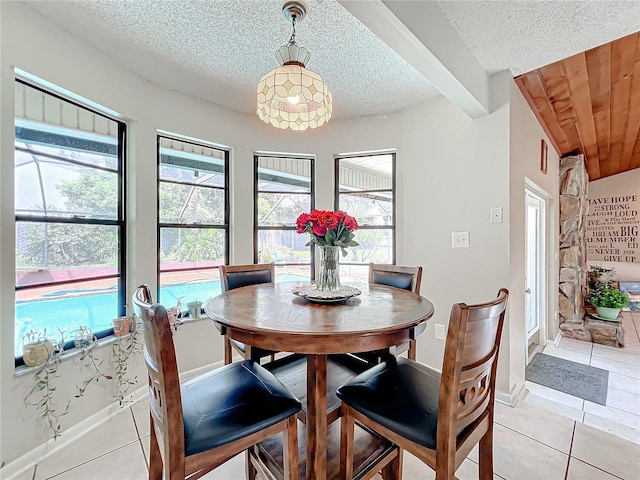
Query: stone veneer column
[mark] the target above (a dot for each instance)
(573, 252)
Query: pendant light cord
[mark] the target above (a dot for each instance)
(292, 40)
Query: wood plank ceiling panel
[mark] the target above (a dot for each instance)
(623, 56)
(540, 104)
(590, 103)
(599, 72)
(557, 89)
(576, 72)
(632, 131)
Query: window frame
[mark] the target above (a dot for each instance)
(224, 226)
(120, 222)
(392, 190)
(256, 192)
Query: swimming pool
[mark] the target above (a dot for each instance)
(96, 311)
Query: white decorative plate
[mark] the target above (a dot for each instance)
(311, 293)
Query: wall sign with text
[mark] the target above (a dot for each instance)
(613, 229)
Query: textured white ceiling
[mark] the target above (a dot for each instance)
(525, 35)
(218, 50)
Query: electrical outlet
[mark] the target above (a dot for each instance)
(459, 239)
(440, 332)
(496, 215)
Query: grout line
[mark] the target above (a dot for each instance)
(535, 439)
(135, 424)
(573, 435)
(91, 460)
(144, 455)
(598, 468)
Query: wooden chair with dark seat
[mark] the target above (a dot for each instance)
(436, 417)
(236, 276)
(397, 276)
(199, 425)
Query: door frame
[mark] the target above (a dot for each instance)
(546, 261)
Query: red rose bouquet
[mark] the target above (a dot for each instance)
(329, 228)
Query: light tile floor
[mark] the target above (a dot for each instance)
(549, 435)
(621, 414)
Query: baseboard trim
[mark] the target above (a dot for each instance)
(555, 341)
(11, 470)
(511, 398)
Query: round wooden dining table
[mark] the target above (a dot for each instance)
(269, 316)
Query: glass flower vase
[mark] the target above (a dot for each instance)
(328, 272)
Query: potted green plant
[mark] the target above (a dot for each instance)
(608, 302)
(195, 308)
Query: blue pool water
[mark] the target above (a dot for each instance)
(98, 310)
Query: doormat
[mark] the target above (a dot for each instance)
(583, 381)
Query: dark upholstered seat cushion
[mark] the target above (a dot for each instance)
(250, 277)
(230, 403)
(399, 394)
(393, 279)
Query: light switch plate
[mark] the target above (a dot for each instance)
(459, 239)
(440, 332)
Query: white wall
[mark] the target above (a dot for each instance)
(525, 134)
(457, 169)
(451, 171)
(627, 183)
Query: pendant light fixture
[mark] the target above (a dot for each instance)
(291, 96)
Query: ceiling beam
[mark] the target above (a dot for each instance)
(419, 33)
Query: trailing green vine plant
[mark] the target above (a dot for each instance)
(85, 340)
(122, 349)
(41, 395)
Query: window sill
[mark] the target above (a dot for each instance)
(23, 370)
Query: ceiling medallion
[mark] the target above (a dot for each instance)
(291, 96)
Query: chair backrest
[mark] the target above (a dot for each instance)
(165, 402)
(406, 278)
(467, 386)
(236, 276)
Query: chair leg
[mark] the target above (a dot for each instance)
(485, 455)
(228, 352)
(155, 458)
(393, 470)
(250, 470)
(347, 426)
(411, 355)
(290, 453)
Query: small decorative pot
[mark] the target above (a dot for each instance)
(83, 337)
(608, 313)
(37, 353)
(121, 326)
(194, 309)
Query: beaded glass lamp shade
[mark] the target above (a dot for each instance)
(291, 96)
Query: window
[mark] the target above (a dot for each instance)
(193, 219)
(70, 218)
(283, 190)
(365, 188)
